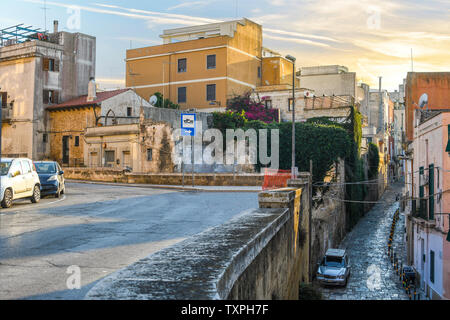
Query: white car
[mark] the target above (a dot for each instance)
(19, 180)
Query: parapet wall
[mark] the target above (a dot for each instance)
(200, 179)
(256, 255)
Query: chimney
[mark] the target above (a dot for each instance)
(55, 26)
(92, 90)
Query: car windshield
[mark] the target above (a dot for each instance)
(4, 167)
(45, 168)
(333, 262)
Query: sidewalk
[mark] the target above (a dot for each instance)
(176, 187)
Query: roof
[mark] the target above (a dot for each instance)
(82, 100)
(335, 252)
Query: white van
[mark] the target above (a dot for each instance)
(19, 180)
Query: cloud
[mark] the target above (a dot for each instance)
(189, 4)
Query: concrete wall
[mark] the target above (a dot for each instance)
(329, 84)
(257, 255)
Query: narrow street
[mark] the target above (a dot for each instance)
(372, 275)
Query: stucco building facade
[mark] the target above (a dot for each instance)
(35, 74)
(428, 218)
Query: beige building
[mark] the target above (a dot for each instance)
(200, 67)
(35, 74)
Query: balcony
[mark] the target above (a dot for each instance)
(7, 114)
(420, 210)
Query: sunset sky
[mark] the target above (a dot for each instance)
(372, 38)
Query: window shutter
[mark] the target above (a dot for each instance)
(45, 96)
(55, 97)
(448, 144)
(56, 63)
(46, 64)
(4, 97)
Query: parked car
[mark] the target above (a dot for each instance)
(19, 180)
(334, 268)
(51, 177)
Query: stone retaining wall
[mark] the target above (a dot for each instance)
(259, 254)
(200, 179)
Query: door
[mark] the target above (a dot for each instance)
(126, 159)
(18, 182)
(28, 177)
(422, 261)
(65, 150)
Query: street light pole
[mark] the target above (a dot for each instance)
(293, 59)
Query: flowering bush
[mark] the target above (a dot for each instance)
(253, 110)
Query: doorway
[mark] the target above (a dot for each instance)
(65, 150)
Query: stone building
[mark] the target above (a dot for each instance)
(69, 120)
(37, 72)
(145, 146)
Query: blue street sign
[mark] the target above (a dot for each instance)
(188, 127)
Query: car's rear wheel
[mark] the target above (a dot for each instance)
(36, 194)
(7, 199)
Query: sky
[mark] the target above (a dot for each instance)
(371, 38)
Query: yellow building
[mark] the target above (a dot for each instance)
(202, 66)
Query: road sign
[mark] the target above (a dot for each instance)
(188, 124)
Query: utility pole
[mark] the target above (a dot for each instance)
(293, 59)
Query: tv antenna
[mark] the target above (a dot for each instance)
(45, 8)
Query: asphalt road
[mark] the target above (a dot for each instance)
(99, 229)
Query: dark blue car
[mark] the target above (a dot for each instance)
(52, 178)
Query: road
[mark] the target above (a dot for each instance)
(372, 276)
(100, 229)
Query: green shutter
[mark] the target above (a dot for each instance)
(448, 144)
(431, 192)
(422, 201)
(432, 266)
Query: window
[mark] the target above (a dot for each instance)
(77, 141)
(182, 95)
(211, 92)
(259, 72)
(129, 111)
(26, 167)
(182, 65)
(50, 65)
(432, 266)
(45, 138)
(109, 158)
(290, 104)
(268, 104)
(211, 61)
(16, 167)
(149, 154)
(3, 99)
(50, 96)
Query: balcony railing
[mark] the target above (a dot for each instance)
(420, 209)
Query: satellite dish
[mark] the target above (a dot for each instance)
(423, 101)
(153, 100)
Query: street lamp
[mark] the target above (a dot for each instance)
(293, 59)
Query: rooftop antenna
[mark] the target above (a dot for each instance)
(45, 15)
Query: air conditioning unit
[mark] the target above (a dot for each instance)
(423, 180)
